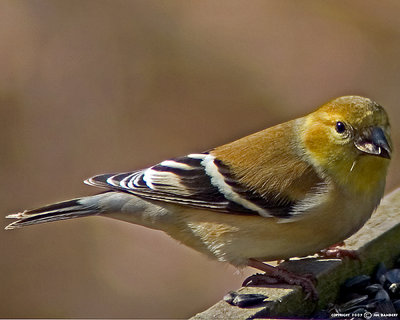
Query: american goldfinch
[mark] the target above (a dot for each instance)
(289, 190)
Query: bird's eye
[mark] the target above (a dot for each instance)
(340, 127)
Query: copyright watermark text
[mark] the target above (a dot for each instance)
(365, 315)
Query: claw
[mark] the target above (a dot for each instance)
(338, 253)
(275, 275)
(259, 279)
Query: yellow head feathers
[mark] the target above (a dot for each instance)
(349, 138)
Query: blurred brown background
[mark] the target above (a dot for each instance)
(89, 87)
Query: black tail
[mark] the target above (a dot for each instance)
(80, 207)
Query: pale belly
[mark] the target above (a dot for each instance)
(236, 238)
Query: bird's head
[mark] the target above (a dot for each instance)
(349, 138)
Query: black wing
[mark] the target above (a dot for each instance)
(197, 180)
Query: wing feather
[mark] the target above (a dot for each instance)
(197, 180)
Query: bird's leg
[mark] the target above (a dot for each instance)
(338, 253)
(278, 274)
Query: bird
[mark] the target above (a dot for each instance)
(287, 191)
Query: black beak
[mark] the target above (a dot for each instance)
(373, 141)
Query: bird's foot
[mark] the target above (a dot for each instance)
(274, 275)
(338, 253)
